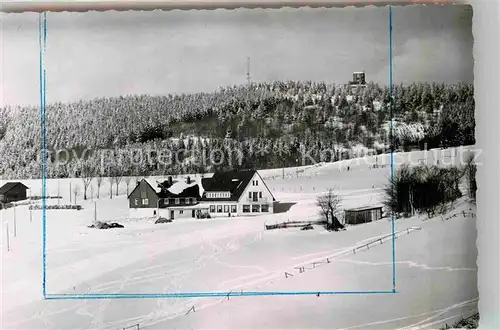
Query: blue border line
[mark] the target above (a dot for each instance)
(392, 151)
(43, 79)
(206, 294)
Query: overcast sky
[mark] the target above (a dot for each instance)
(97, 54)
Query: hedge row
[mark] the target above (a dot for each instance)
(57, 207)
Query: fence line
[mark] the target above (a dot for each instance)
(463, 213)
(321, 261)
(328, 259)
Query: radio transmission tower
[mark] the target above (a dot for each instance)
(248, 70)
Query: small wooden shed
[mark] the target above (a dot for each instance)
(363, 215)
(13, 192)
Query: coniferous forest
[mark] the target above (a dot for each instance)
(260, 125)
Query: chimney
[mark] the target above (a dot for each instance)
(169, 180)
(188, 179)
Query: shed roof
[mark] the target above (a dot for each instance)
(365, 208)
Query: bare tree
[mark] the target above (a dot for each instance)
(118, 179)
(329, 203)
(127, 181)
(76, 192)
(87, 174)
(324, 211)
(99, 183)
(111, 180)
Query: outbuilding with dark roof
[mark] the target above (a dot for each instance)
(13, 192)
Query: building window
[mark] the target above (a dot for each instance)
(145, 201)
(187, 200)
(246, 208)
(194, 200)
(181, 211)
(136, 201)
(219, 208)
(226, 208)
(177, 201)
(255, 208)
(233, 209)
(212, 208)
(256, 182)
(166, 201)
(265, 208)
(249, 194)
(260, 194)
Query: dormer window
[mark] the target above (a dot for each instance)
(177, 201)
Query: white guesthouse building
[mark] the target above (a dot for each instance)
(237, 193)
(225, 194)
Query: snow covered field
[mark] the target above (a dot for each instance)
(435, 265)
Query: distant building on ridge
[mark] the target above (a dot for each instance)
(358, 79)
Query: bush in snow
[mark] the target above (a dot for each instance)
(105, 225)
(422, 189)
(163, 220)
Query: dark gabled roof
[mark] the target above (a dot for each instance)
(143, 180)
(191, 191)
(234, 181)
(9, 185)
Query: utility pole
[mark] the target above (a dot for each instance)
(95, 211)
(31, 214)
(58, 193)
(70, 192)
(7, 230)
(15, 224)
